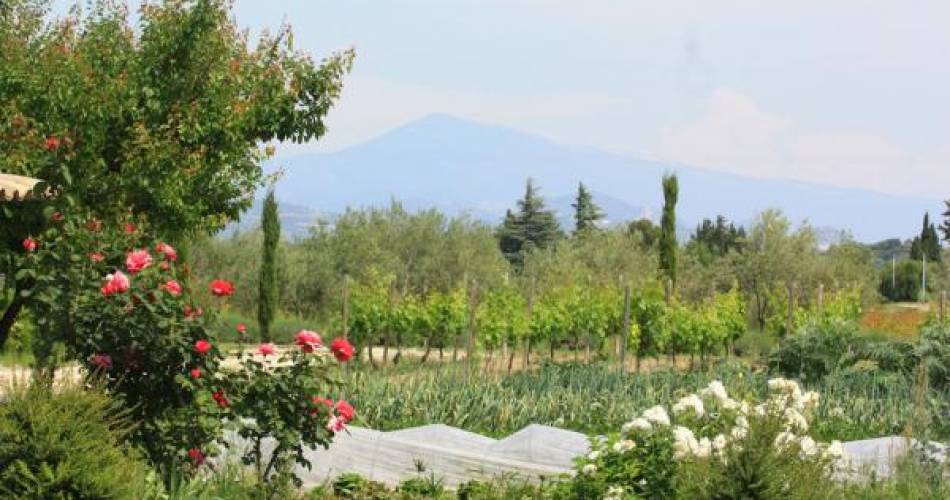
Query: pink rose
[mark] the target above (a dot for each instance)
(202, 347)
(57, 217)
(172, 287)
(115, 283)
(308, 341)
(129, 228)
(51, 143)
(342, 349)
(29, 244)
(345, 411)
(241, 328)
(167, 250)
(102, 361)
(336, 424)
(266, 349)
(96, 257)
(196, 373)
(138, 260)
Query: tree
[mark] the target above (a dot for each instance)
(668, 227)
(166, 120)
(718, 238)
(646, 230)
(533, 227)
(586, 213)
(267, 295)
(946, 222)
(927, 243)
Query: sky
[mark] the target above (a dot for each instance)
(851, 93)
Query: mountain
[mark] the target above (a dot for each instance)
(295, 220)
(460, 165)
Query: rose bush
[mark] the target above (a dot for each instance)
(128, 315)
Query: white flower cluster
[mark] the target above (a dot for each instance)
(786, 401)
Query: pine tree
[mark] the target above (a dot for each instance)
(267, 297)
(668, 227)
(532, 227)
(586, 213)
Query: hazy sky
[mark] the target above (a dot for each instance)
(845, 92)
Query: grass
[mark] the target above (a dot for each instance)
(596, 399)
(894, 321)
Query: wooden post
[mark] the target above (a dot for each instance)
(346, 306)
(527, 338)
(790, 319)
(943, 306)
(626, 328)
(470, 345)
(669, 291)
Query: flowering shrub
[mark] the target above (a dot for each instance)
(284, 397)
(121, 306)
(710, 444)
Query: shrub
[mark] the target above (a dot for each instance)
(814, 352)
(934, 350)
(66, 444)
(713, 446)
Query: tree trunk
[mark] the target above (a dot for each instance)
(576, 350)
(9, 316)
(511, 360)
(425, 355)
(385, 349)
(587, 350)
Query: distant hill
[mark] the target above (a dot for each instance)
(295, 220)
(460, 165)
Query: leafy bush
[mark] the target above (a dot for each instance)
(903, 283)
(815, 351)
(66, 444)
(934, 350)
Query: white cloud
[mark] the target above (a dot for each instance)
(735, 134)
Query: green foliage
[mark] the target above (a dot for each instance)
(268, 291)
(66, 444)
(945, 227)
(927, 244)
(718, 239)
(934, 351)
(903, 283)
(586, 213)
(644, 229)
(164, 118)
(668, 227)
(814, 352)
(532, 227)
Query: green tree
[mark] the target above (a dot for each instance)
(946, 222)
(533, 227)
(167, 119)
(646, 230)
(718, 238)
(267, 291)
(927, 243)
(586, 213)
(668, 227)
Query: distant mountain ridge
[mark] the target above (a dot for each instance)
(459, 165)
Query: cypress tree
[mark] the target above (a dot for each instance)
(267, 297)
(668, 227)
(586, 212)
(927, 243)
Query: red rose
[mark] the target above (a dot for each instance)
(167, 250)
(196, 456)
(164, 266)
(308, 341)
(196, 373)
(345, 411)
(58, 216)
(336, 424)
(94, 225)
(241, 328)
(266, 349)
(221, 399)
(115, 283)
(96, 257)
(129, 228)
(222, 288)
(102, 361)
(52, 143)
(29, 244)
(192, 313)
(172, 287)
(137, 260)
(202, 346)
(342, 349)
(321, 402)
